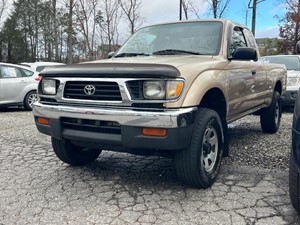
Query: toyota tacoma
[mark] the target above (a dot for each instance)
(171, 89)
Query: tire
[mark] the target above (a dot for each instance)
(199, 165)
(270, 117)
(29, 99)
(73, 154)
(294, 184)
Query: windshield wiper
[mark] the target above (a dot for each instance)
(174, 52)
(130, 54)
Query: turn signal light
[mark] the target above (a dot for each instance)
(43, 120)
(158, 132)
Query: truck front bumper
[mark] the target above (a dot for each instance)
(116, 128)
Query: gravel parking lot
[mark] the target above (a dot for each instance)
(36, 188)
(252, 147)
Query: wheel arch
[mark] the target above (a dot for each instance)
(278, 87)
(215, 99)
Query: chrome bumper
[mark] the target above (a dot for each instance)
(124, 116)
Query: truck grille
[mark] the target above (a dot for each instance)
(135, 89)
(91, 125)
(88, 90)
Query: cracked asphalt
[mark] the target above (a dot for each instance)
(119, 188)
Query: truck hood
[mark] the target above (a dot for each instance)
(182, 63)
(174, 60)
(133, 67)
(293, 73)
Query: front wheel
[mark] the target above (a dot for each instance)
(199, 164)
(30, 98)
(270, 117)
(73, 154)
(294, 184)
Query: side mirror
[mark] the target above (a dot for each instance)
(298, 47)
(111, 54)
(245, 53)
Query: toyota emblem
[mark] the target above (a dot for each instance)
(89, 89)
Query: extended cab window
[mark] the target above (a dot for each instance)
(250, 39)
(237, 40)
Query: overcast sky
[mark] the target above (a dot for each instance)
(156, 11)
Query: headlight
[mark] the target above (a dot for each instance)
(162, 89)
(154, 89)
(48, 87)
(293, 81)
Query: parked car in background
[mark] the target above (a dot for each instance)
(292, 63)
(39, 66)
(18, 86)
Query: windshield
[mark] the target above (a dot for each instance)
(291, 62)
(202, 38)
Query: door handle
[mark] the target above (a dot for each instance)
(253, 72)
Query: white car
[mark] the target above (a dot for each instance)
(39, 66)
(292, 63)
(18, 85)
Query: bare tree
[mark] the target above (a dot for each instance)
(245, 12)
(86, 14)
(70, 32)
(218, 7)
(131, 10)
(253, 5)
(185, 6)
(55, 30)
(108, 21)
(190, 9)
(3, 6)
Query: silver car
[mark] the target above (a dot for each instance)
(292, 63)
(18, 86)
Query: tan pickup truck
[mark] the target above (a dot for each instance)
(171, 89)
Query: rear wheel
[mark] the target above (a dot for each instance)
(73, 154)
(199, 165)
(30, 98)
(294, 184)
(270, 117)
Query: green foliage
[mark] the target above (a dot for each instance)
(12, 42)
(289, 31)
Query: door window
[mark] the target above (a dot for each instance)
(237, 40)
(27, 73)
(10, 72)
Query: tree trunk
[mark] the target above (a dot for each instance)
(253, 17)
(70, 34)
(215, 8)
(55, 31)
